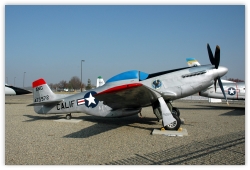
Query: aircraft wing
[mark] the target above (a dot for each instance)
(45, 103)
(128, 96)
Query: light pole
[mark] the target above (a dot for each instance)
(81, 73)
(23, 78)
(14, 80)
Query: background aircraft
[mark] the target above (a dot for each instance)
(233, 90)
(100, 81)
(11, 91)
(126, 93)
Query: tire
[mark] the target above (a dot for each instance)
(176, 111)
(68, 116)
(175, 125)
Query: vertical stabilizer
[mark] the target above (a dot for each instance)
(100, 81)
(192, 62)
(42, 92)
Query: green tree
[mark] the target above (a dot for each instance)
(89, 86)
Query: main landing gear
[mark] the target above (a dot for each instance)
(163, 109)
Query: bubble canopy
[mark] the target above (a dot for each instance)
(132, 74)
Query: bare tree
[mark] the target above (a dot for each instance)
(75, 83)
(56, 86)
(63, 84)
(51, 85)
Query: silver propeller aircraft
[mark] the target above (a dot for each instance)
(233, 90)
(127, 93)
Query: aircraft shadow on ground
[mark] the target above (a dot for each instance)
(50, 117)
(233, 111)
(105, 124)
(236, 112)
(227, 149)
(101, 124)
(212, 107)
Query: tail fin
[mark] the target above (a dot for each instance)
(100, 81)
(192, 62)
(42, 94)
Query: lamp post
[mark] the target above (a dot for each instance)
(14, 80)
(81, 73)
(23, 78)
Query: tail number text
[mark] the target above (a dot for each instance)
(42, 98)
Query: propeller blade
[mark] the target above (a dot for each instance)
(222, 89)
(215, 81)
(217, 57)
(210, 54)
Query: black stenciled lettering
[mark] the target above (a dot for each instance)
(58, 108)
(62, 106)
(71, 104)
(66, 105)
(39, 88)
(42, 98)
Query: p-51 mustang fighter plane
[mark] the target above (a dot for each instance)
(126, 93)
(233, 90)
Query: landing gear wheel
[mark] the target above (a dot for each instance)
(68, 116)
(175, 111)
(175, 125)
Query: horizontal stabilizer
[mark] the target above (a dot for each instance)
(45, 103)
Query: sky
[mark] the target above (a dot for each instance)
(49, 41)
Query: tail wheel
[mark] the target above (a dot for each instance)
(175, 125)
(175, 111)
(68, 116)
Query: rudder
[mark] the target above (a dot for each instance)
(100, 81)
(41, 91)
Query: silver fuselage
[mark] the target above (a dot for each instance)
(175, 84)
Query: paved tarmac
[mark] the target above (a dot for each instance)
(216, 136)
